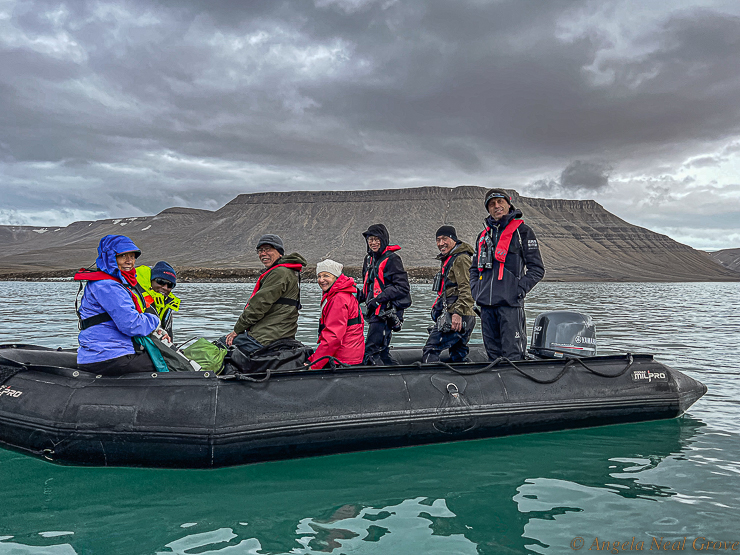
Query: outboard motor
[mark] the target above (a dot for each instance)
(560, 333)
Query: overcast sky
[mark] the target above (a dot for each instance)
(124, 108)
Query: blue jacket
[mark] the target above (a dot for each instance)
(111, 339)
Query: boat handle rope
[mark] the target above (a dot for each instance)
(630, 361)
(462, 372)
(241, 377)
(10, 371)
(571, 362)
(20, 366)
(333, 362)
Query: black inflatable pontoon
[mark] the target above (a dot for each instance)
(50, 409)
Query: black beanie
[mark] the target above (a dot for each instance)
(448, 231)
(496, 193)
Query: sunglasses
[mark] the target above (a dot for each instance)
(164, 283)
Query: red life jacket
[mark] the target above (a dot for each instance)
(502, 247)
(445, 272)
(378, 283)
(282, 300)
(140, 298)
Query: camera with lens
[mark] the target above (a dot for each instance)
(390, 316)
(485, 257)
(437, 282)
(444, 323)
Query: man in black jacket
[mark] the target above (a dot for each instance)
(506, 266)
(385, 292)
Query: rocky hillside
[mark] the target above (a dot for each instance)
(579, 239)
(729, 258)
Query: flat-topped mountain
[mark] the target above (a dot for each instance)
(579, 239)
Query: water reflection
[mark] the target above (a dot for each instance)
(13, 548)
(493, 496)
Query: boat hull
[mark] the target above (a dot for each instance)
(197, 420)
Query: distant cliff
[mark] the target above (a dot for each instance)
(579, 239)
(729, 258)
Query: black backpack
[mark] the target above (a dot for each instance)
(282, 354)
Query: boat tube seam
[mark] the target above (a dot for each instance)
(503, 387)
(398, 418)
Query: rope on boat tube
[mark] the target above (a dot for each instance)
(240, 376)
(571, 362)
(538, 380)
(333, 363)
(462, 372)
(247, 378)
(630, 360)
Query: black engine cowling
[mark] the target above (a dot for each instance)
(560, 333)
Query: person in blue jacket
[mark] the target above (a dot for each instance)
(112, 312)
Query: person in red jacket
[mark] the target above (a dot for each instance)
(341, 324)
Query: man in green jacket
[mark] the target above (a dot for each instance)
(272, 310)
(452, 310)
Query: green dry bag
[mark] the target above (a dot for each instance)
(209, 356)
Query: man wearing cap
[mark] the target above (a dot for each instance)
(158, 283)
(452, 310)
(507, 264)
(272, 310)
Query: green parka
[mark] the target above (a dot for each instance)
(266, 319)
(457, 284)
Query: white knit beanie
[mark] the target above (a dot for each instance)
(334, 268)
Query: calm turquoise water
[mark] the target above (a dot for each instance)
(528, 494)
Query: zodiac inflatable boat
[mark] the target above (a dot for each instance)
(50, 409)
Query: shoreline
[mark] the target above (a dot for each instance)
(250, 275)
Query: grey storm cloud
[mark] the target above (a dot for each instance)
(578, 178)
(585, 175)
(126, 107)
(296, 83)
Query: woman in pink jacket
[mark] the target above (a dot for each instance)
(341, 325)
